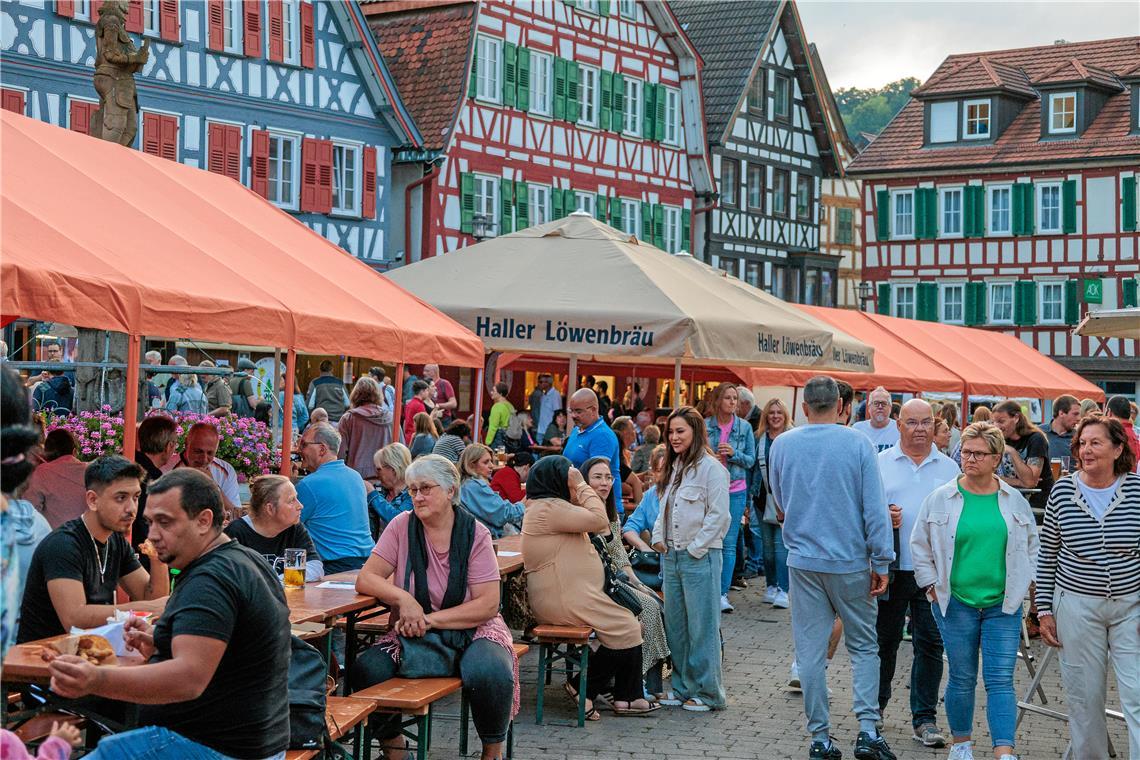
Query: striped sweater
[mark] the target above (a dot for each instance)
(1084, 556)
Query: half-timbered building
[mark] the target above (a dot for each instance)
(771, 145)
(531, 111)
(1003, 195)
(289, 97)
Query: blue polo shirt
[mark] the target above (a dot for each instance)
(335, 511)
(595, 441)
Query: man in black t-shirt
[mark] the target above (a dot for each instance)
(76, 568)
(217, 674)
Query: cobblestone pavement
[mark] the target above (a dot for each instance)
(763, 719)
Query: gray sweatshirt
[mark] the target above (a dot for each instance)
(826, 479)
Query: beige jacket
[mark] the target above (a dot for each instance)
(696, 520)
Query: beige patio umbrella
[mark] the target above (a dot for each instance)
(576, 287)
(1111, 323)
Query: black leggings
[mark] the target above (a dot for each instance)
(623, 666)
(488, 675)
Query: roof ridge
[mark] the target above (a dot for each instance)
(989, 69)
(1054, 46)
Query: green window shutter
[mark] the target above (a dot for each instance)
(603, 7)
(974, 211)
(931, 213)
(573, 105)
(975, 306)
(1028, 208)
(968, 212)
(927, 305)
(646, 223)
(617, 118)
(883, 215)
(615, 213)
(659, 118)
(1025, 303)
(473, 85)
(510, 73)
(1128, 199)
(522, 205)
(659, 226)
(920, 231)
(1128, 294)
(560, 88)
(1072, 302)
(557, 210)
(605, 112)
(884, 305)
(979, 210)
(466, 201)
(648, 110)
(506, 206)
(1069, 206)
(1016, 210)
(600, 207)
(569, 2)
(523, 90)
(686, 230)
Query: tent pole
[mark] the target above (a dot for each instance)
(478, 405)
(131, 403)
(398, 386)
(676, 384)
(287, 403)
(273, 400)
(795, 397)
(965, 414)
(571, 381)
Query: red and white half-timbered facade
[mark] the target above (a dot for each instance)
(531, 111)
(1004, 195)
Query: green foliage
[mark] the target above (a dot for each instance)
(869, 110)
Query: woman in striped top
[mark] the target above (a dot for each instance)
(1088, 582)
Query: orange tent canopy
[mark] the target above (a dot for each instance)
(103, 236)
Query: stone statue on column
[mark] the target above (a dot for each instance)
(116, 61)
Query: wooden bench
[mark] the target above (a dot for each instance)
(368, 631)
(342, 716)
(412, 700)
(570, 644)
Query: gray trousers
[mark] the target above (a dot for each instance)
(816, 599)
(1095, 633)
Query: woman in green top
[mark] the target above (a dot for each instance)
(501, 411)
(974, 548)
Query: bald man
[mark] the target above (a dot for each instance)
(911, 469)
(879, 426)
(591, 436)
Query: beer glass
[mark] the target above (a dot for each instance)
(294, 568)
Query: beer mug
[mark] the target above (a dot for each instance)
(294, 562)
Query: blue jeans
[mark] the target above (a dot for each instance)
(736, 504)
(754, 563)
(692, 624)
(775, 556)
(155, 743)
(966, 630)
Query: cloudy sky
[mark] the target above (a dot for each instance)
(867, 44)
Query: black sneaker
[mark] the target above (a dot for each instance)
(821, 751)
(867, 748)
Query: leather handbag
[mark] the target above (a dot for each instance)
(434, 655)
(612, 584)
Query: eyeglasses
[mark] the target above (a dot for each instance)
(975, 456)
(880, 403)
(919, 424)
(415, 491)
(304, 443)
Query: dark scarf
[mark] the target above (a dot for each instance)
(547, 479)
(462, 538)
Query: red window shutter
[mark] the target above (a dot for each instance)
(134, 16)
(79, 116)
(310, 170)
(65, 8)
(215, 13)
(368, 197)
(325, 176)
(259, 162)
(216, 154)
(308, 36)
(251, 13)
(12, 100)
(169, 24)
(169, 137)
(233, 152)
(276, 31)
(151, 140)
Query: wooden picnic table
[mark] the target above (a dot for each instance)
(509, 564)
(24, 663)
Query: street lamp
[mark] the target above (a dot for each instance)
(480, 227)
(866, 293)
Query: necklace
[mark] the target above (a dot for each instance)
(100, 561)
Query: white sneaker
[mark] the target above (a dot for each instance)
(781, 600)
(770, 594)
(725, 605)
(794, 681)
(963, 751)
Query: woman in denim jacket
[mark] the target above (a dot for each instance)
(731, 439)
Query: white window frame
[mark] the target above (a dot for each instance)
(671, 235)
(357, 152)
(489, 69)
(584, 201)
(895, 233)
(589, 95)
(897, 291)
(991, 226)
(632, 107)
(631, 217)
(627, 9)
(943, 194)
(542, 83)
(795, 211)
(944, 302)
(672, 116)
(151, 8)
(1054, 99)
(967, 120)
(992, 315)
(587, 6)
(232, 13)
(83, 10)
(746, 201)
(1042, 228)
(1059, 286)
(277, 137)
(491, 209)
(290, 31)
(538, 204)
(791, 97)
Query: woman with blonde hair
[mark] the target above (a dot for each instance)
(365, 428)
(427, 433)
(982, 414)
(767, 518)
(502, 517)
(273, 524)
(1088, 406)
(390, 497)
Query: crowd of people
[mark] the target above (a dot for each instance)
(873, 524)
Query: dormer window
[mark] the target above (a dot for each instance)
(976, 124)
(1062, 113)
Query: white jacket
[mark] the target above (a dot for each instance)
(932, 542)
(699, 518)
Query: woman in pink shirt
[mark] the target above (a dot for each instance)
(445, 586)
(56, 487)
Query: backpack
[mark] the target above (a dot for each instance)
(239, 404)
(307, 728)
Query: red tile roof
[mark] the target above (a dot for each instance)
(426, 45)
(900, 145)
(1074, 70)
